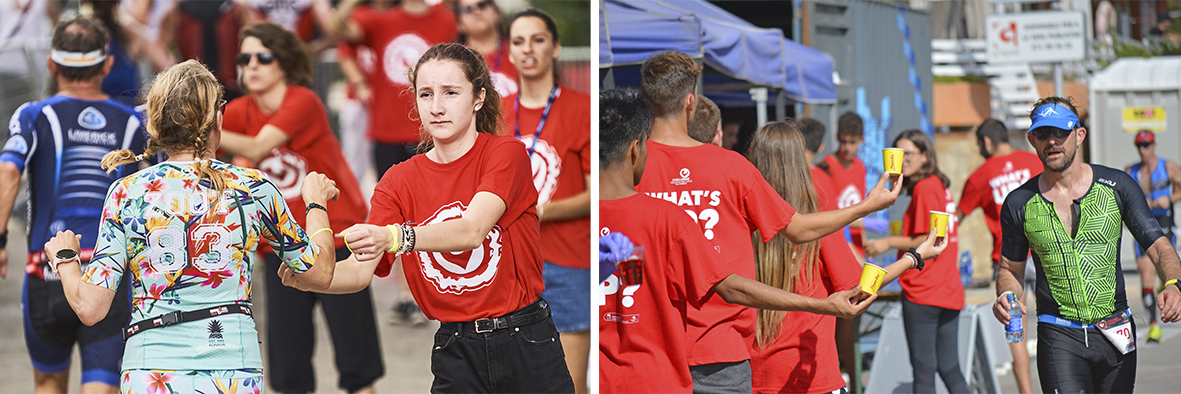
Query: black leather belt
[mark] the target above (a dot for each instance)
(532, 313)
(177, 317)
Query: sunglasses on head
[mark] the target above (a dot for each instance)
(263, 58)
(1043, 133)
(472, 8)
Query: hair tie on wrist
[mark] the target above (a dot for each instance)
(318, 232)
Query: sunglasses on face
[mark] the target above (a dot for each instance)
(472, 8)
(1143, 145)
(1043, 133)
(263, 58)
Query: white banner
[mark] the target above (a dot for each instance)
(1036, 37)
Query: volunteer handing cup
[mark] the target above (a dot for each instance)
(871, 278)
(892, 158)
(631, 270)
(939, 223)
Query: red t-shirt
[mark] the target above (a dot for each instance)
(504, 73)
(500, 276)
(850, 186)
(804, 357)
(988, 186)
(311, 146)
(399, 39)
(642, 332)
(938, 284)
(729, 199)
(826, 195)
(561, 160)
(363, 55)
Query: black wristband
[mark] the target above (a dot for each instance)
(312, 206)
(4, 240)
(1178, 284)
(918, 260)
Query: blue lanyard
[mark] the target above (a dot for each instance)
(553, 94)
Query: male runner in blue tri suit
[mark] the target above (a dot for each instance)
(1160, 180)
(1070, 217)
(61, 141)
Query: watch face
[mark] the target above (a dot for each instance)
(66, 254)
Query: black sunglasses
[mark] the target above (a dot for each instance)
(263, 58)
(472, 8)
(1043, 133)
(1143, 144)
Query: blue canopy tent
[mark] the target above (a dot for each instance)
(737, 55)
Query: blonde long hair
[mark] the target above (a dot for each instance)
(182, 112)
(777, 151)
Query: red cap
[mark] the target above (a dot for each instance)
(1145, 137)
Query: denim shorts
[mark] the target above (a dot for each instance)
(568, 292)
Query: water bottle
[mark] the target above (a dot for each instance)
(1013, 331)
(966, 269)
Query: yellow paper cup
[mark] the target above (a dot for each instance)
(892, 158)
(871, 278)
(939, 223)
(896, 228)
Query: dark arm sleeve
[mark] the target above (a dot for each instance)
(1136, 214)
(1014, 245)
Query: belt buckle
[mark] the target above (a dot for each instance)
(170, 318)
(480, 324)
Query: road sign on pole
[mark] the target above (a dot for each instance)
(1036, 37)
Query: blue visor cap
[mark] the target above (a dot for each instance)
(1053, 115)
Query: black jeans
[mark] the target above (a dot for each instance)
(386, 155)
(932, 334)
(1069, 363)
(291, 337)
(526, 359)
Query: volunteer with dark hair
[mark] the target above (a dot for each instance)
(813, 132)
(460, 220)
(1069, 217)
(643, 332)
(553, 121)
(481, 27)
(848, 172)
(731, 200)
(398, 37)
(706, 126)
(59, 141)
(931, 299)
(793, 352)
(1160, 180)
(283, 127)
(183, 233)
(1004, 170)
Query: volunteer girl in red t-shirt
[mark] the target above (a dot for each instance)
(283, 127)
(481, 27)
(553, 121)
(461, 219)
(931, 299)
(787, 342)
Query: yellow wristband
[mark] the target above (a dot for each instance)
(1170, 281)
(394, 238)
(320, 231)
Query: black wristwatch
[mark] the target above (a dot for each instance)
(66, 254)
(918, 265)
(312, 206)
(4, 240)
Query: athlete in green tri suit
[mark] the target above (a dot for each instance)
(1069, 217)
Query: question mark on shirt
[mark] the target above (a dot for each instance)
(710, 216)
(628, 301)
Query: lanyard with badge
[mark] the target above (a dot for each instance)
(553, 94)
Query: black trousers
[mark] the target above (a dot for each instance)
(386, 155)
(932, 334)
(291, 337)
(525, 359)
(1073, 360)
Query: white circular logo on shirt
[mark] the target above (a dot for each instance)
(287, 170)
(547, 164)
(458, 272)
(402, 54)
(684, 173)
(849, 197)
(505, 86)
